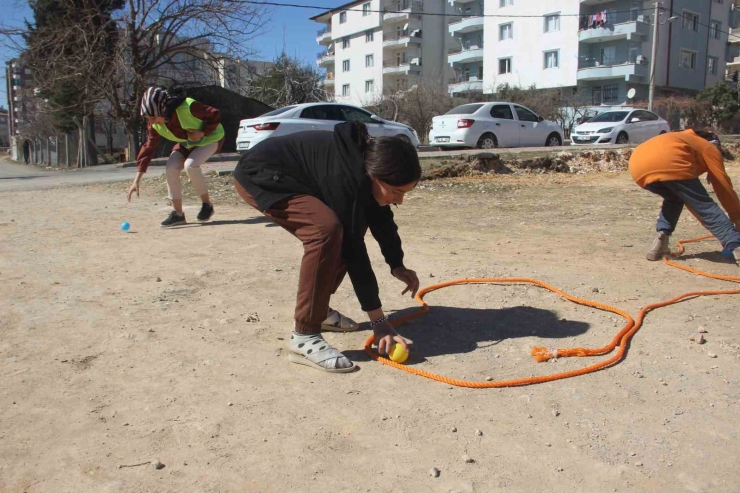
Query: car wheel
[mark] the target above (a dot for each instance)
(404, 138)
(554, 140)
(623, 138)
(662, 132)
(487, 141)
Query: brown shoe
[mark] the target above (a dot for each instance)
(659, 247)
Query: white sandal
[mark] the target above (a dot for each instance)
(317, 352)
(336, 322)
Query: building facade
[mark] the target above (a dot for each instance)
(599, 48)
(19, 84)
(4, 128)
(372, 47)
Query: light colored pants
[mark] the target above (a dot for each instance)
(192, 163)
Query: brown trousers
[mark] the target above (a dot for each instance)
(322, 268)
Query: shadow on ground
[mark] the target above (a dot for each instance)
(450, 330)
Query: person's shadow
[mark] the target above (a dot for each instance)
(451, 330)
(252, 220)
(715, 257)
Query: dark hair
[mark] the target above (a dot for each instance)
(392, 160)
(704, 134)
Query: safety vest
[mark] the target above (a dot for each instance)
(189, 122)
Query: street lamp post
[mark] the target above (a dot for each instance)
(653, 63)
(653, 58)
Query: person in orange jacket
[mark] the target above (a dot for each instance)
(670, 166)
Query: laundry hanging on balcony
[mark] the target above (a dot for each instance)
(593, 21)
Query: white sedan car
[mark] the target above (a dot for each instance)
(619, 127)
(490, 125)
(316, 116)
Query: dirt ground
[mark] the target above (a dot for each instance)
(120, 348)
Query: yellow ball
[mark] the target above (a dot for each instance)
(398, 354)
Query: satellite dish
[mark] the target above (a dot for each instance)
(631, 93)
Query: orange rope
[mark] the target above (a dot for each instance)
(621, 340)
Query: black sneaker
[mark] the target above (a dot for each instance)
(206, 212)
(174, 219)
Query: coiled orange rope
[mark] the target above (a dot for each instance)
(540, 354)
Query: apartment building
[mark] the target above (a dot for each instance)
(733, 43)
(18, 84)
(4, 128)
(601, 48)
(376, 46)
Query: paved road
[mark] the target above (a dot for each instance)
(15, 176)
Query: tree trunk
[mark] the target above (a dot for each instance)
(91, 150)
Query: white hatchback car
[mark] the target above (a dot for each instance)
(619, 127)
(490, 125)
(315, 116)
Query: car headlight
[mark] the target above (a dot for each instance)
(605, 130)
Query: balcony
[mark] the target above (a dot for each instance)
(613, 69)
(734, 36)
(465, 55)
(733, 63)
(401, 39)
(466, 25)
(324, 36)
(325, 59)
(403, 67)
(402, 10)
(327, 81)
(472, 84)
(631, 31)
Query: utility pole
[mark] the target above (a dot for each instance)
(653, 65)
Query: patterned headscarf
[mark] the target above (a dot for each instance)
(154, 102)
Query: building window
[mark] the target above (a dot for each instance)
(345, 43)
(504, 66)
(552, 59)
(552, 23)
(342, 17)
(365, 9)
(690, 21)
(369, 37)
(369, 60)
(596, 95)
(712, 65)
(506, 3)
(688, 59)
(505, 31)
(369, 86)
(715, 28)
(635, 11)
(611, 93)
(345, 90)
(345, 66)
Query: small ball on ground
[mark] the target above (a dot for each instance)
(398, 354)
(125, 226)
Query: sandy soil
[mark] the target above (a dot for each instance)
(117, 349)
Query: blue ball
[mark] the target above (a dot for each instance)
(125, 226)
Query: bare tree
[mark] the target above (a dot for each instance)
(288, 82)
(165, 40)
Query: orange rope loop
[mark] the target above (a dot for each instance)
(540, 354)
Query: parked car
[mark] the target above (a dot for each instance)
(490, 125)
(620, 127)
(315, 116)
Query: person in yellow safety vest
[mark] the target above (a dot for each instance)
(199, 135)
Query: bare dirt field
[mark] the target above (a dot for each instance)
(121, 348)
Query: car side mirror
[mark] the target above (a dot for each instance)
(540, 119)
(634, 120)
(377, 120)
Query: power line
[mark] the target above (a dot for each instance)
(437, 14)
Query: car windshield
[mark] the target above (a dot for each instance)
(466, 109)
(610, 117)
(280, 111)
